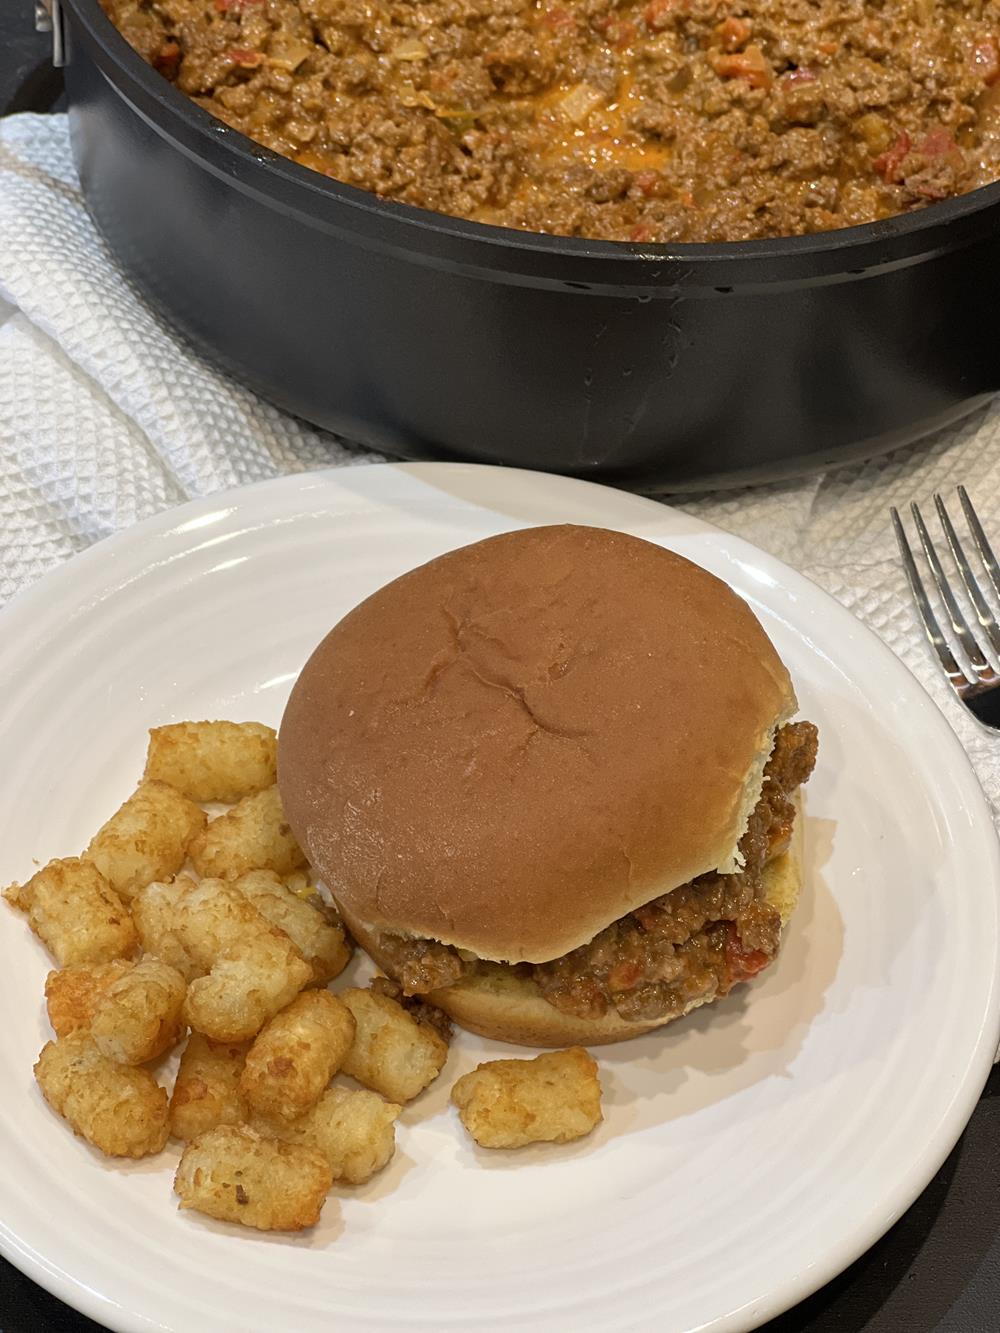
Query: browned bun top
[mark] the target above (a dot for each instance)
(519, 742)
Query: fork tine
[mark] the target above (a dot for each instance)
(956, 676)
(962, 632)
(983, 613)
(982, 542)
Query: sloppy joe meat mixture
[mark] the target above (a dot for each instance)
(662, 120)
(694, 943)
(427, 1014)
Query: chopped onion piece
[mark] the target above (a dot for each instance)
(578, 103)
(288, 54)
(410, 49)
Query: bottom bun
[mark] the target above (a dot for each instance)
(499, 1004)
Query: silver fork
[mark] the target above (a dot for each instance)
(978, 684)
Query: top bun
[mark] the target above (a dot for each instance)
(521, 741)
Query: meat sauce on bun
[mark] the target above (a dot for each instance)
(552, 783)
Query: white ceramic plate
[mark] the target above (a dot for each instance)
(748, 1153)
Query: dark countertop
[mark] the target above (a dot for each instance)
(938, 1269)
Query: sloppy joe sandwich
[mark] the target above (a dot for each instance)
(551, 780)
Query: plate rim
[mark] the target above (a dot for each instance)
(838, 1256)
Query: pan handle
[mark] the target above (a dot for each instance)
(49, 18)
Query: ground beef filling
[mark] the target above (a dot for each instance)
(419, 1010)
(694, 943)
(628, 120)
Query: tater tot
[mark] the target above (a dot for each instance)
(211, 917)
(207, 1088)
(213, 761)
(233, 1174)
(354, 1129)
(253, 835)
(75, 913)
(155, 912)
(147, 838)
(510, 1103)
(311, 924)
(296, 1055)
(246, 986)
(253, 968)
(392, 1053)
(138, 1017)
(72, 994)
(120, 1110)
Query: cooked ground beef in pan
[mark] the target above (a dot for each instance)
(696, 942)
(658, 121)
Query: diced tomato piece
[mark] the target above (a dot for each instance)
(624, 976)
(647, 182)
(888, 164)
(617, 31)
(733, 34)
(559, 18)
(168, 59)
(657, 13)
(938, 143)
(641, 233)
(245, 58)
(938, 147)
(742, 963)
(750, 65)
(620, 33)
(986, 60)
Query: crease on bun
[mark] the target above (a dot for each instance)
(526, 738)
(504, 1006)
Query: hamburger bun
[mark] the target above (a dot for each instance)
(523, 740)
(500, 1004)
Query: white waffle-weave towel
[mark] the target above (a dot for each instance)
(105, 418)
